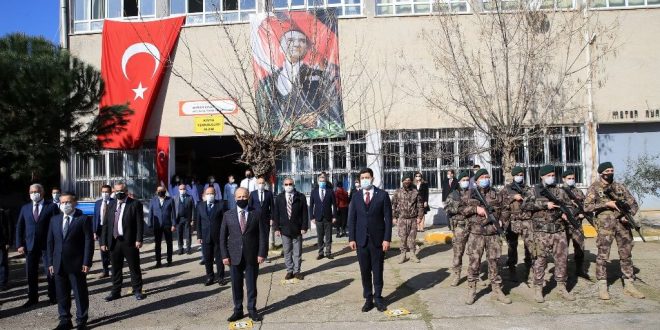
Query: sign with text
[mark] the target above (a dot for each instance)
(205, 108)
(209, 124)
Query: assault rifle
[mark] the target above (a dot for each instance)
(580, 206)
(625, 210)
(563, 207)
(517, 188)
(489, 212)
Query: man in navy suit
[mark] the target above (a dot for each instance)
(163, 220)
(262, 200)
(100, 209)
(370, 232)
(244, 245)
(323, 212)
(183, 207)
(31, 236)
(290, 220)
(209, 218)
(70, 252)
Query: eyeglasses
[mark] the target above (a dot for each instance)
(288, 184)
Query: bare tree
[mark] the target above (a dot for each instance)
(513, 68)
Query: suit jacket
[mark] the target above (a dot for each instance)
(447, 188)
(31, 234)
(299, 220)
(162, 216)
(373, 222)
(208, 225)
(96, 219)
(246, 246)
(265, 207)
(183, 211)
(5, 228)
(68, 254)
(132, 223)
(322, 210)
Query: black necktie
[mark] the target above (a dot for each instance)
(65, 229)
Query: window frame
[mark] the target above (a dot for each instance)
(433, 7)
(96, 25)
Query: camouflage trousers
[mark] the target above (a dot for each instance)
(577, 237)
(476, 246)
(408, 234)
(458, 244)
(614, 230)
(548, 245)
(516, 229)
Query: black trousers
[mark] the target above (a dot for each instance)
(105, 255)
(324, 236)
(512, 253)
(211, 253)
(342, 218)
(184, 231)
(125, 250)
(64, 283)
(371, 259)
(248, 272)
(159, 232)
(32, 274)
(4, 266)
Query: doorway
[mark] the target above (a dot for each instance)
(201, 157)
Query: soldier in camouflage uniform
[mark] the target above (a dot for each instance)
(519, 222)
(549, 232)
(612, 226)
(408, 212)
(483, 238)
(577, 237)
(456, 198)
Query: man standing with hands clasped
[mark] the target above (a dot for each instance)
(323, 212)
(370, 232)
(408, 212)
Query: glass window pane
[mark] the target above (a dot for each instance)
(391, 159)
(228, 5)
(302, 160)
(617, 3)
(554, 151)
(384, 10)
(212, 6)
(248, 4)
(80, 27)
(635, 2)
(80, 10)
(460, 7)
(98, 9)
(464, 153)
(297, 3)
(383, 1)
(497, 176)
(598, 3)
(147, 8)
(391, 180)
(520, 154)
(352, 2)
(352, 10)
(446, 153)
(99, 165)
(82, 167)
(283, 164)
(429, 154)
(410, 154)
(231, 17)
(565, 3)
(420, 9)
(358, 156)
(195, 6)
(431, 177)
(653, 2)
(536, 151)
(339, 157)
(177, 7)
(573, 149)
(194, 19)
(130, 8)
(116, 164)
(280, 3)
(321, 159)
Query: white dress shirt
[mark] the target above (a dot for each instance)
(120, 230)
(250, 184)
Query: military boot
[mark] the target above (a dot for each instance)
(602, 290)
(413, 257)
(499, 295)
(472, 293)
(403, 257)
(630, 289)
(456, 278)
(538, 294)
(579, 270)
(561, 289)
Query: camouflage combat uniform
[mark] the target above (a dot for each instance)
(577, 237)
(549, 237)
(519, 224)
(407, 207)
(456, 207)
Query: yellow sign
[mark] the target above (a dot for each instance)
(397, 312)
(209, 124)
(241, 325)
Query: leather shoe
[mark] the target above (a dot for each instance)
(82, 327)
(319, 257)
(4, 288)
(188, 251)
(29, 303)
(223, 281)
(139, 296)
(169, 264)
(180, 252)
(288, 276)
(329, 256)
(368, 305)
(299, 276)
(201, 262)
(52, 301)
(64, 326)
(255, 316)
(235, 317)
(380, 306)
(112, 297)
(158, 265)
(208, 282)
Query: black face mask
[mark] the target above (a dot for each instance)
(242, 203)
(161, 194)
(608, 177)
(120, 195)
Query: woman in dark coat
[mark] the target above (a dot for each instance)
(423, 189)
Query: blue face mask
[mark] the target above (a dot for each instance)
(484, 183)
(322, 185)
(365, 184)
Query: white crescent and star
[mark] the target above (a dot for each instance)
(138, 48)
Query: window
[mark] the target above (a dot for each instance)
(341, 8)
(213, 11)
(419, 7)
(624, 3)
(88, 15)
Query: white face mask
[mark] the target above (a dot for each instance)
(209, 198)
(261, 186)
(549, 181)
(105, 196)
(357, 185)
(464, 184)
(182, 192)
(288, 189)
(56, 197)
(518, 178)
(365, 184)
(35, 197)
(66, 208)
(449, 176)
(570, 182)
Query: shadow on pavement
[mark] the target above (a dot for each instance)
(423, 281)
(313, 293)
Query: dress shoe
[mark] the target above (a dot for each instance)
(64, 326)
(4, 288)
(188, 251)
(112, 297)
(169, 264)
(223, 281)
(52, 301)
(329, 256)
(235, 317)
(299, 276)
(30, 303)
(180, 251)
(368, 305)
(255, 316)
(380, 306)
(202, 262)
(208, 282)
(82, 326)
(319, 257)
(158, 265)
(139, 296)
(288, 276)
(103, 275)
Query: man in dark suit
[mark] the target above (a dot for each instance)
(323, 211)
(70, 253)
(122, 235)
(243, 245)
(290, 220)
(5, 240)
(262, 200)
(100, 209)
(163, 220)
(209, 218)
(448, 185)
(183, 206)
(31, 236)
(370, 232)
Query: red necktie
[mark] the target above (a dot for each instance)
(367, 198)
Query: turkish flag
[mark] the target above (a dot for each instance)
(162, 158)
(133, 61)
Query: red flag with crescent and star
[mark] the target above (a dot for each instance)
(133, 62)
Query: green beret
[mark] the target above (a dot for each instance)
(407, 175)
(603, 166)
(546, 169)
(462, 174)
(480, 172)
(567, 173)
(517, 170)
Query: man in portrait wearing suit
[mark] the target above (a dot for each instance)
(290, 222)
(31, 236)
(100, 209)
(370, 232)
(262, 200)
(183, 208)
(243, 245)
(209, 218)
(448, 184)
(163, 220)
(323, 212)
(70, 252)
(122, 235)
